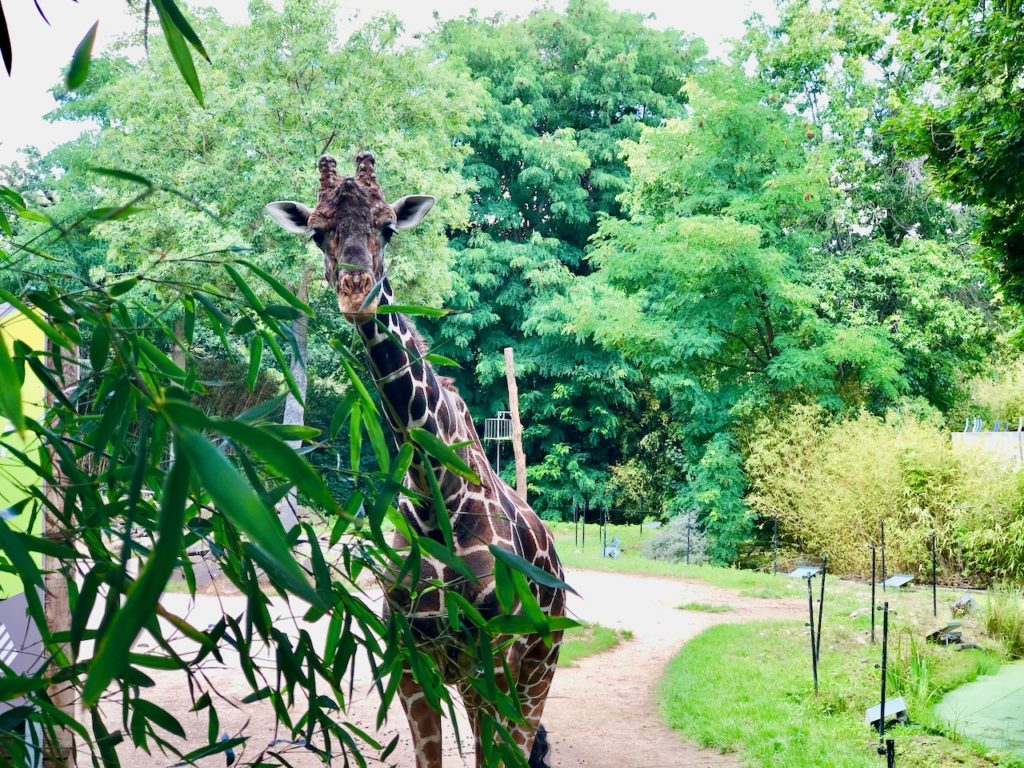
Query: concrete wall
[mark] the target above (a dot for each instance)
(1008, 445)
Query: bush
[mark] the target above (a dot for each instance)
(1004, 619)
(832, 483)
(670, 542)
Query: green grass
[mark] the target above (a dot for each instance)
(705, 607)
(747, 688)
(1004, 618)
(587, 640)
(588, 555)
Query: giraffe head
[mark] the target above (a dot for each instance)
(351, 224)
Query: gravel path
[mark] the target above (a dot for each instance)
(602, 713)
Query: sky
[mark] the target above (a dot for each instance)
(41, 50)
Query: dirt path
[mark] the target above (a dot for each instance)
(603, 713)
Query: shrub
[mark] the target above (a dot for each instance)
(832, 483)
(1004, 619)
(716, 490)
(670, 543)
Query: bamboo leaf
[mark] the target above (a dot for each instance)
(179, 51)
(10, 388)
(117, 173)
(434, 446)
(412, 309)
(112, 651)
(240, 505)
(279, 288)
(158, 716)
(79, 68)
(245, 288)
(178, 19)
(255, 356)
(528, 569)
(357, 385)
(5, 42)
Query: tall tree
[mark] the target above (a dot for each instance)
(562, 90)
(707, 284)
(962, 107)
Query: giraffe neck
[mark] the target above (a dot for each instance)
(414, 396)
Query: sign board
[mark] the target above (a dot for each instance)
(804, 572)
(20, 642)
(898, 580)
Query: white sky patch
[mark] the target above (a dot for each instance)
(40, 51)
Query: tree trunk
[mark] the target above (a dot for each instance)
(294, 411)
(178, 352)
(517, 426)
(61, 752)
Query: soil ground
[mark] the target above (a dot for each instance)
(602, 713)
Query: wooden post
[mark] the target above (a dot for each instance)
(56, 606)
(517, 425)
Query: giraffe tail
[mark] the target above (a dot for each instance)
(541, 747)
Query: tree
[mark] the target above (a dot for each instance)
(562, 90)
(900, 258)
(708, 285)
(962, 107)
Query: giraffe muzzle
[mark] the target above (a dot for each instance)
(353, 289)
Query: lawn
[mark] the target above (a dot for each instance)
(587, 640)
(747, 688)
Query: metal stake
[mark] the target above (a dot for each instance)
(890, 753)
(814, 645)
(885, 662)
(689, 521)
(821, 607)
(775, 545)
(872, 594)
(883, 555)
(935, 593)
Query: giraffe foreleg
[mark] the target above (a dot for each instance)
(536, 672)
(424, 722)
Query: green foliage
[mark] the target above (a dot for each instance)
(997, 394)
(832, 483)
(930, 300)
(716, 488)
(973, 135)
(1004, 619)
(562, 90)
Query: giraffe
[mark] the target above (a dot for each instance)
(351, 224)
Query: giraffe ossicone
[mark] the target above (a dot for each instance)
(352, 224)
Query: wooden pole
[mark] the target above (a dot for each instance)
(517, 425)
(56, 604)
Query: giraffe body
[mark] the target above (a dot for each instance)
(352, 224)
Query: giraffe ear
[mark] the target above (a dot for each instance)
(292, 216)
(410, 210)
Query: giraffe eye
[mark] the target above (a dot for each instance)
(388, 230)
(318, 238)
